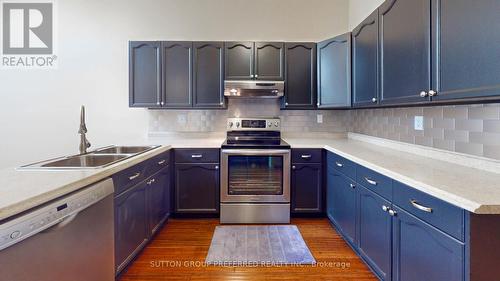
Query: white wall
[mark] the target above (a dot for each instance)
(39, 110)
(360, 9)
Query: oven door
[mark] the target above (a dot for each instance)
(255, 175)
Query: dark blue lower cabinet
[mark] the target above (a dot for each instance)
(341, 194)
(306, 187)
(330, 206)
(131, 224)
(197, 188)
(374, 232)
(158, 199)
(422, 252)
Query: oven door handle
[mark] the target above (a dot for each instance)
(255, 152)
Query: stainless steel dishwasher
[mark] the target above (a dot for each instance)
(71, 238)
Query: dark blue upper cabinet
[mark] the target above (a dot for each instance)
(145, 74)
(405, 51)
(334, 72)
(269, 61)
(467, 49)
(177, 74)
(239, 60)
(421, 252)
(341, 194)
(365, 62)
(208, 75)
(374, 232)
(300, 76)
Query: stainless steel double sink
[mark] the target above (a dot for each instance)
(96, 159)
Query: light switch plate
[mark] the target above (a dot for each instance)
(419, 123)
(182, 118)
(319, 118)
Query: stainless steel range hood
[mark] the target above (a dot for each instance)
(254, 89)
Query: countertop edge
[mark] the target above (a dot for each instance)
(458, 201)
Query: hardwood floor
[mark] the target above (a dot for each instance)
(178, 252)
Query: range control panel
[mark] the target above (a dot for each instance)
(61, 211)
(253, 124)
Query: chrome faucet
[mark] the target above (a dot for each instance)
(84, 142)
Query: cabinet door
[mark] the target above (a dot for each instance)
(239, 60)
(334, 72)
(365, 62)
(144, 74)
(197, 188)
(341, 193)
(158, 189)
(269, 61)
(300, 76)
(177, 74)
(208, 75)
(405, 51)
(131, 224)
(306, 188)
(466, 43)
(374, 232)
(421, 252)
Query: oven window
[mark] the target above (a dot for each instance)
(255, 175)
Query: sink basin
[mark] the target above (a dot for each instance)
(85, 161)
(99, 158)
(123, 150)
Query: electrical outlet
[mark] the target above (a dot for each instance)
(182, 118)
(319, 118)
(419, 123)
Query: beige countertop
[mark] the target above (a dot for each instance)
(474, 189)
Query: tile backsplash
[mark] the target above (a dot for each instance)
(292, 121)
(470, 129)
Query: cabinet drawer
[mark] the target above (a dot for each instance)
(301, 155)
(374, 181)
(129, 177)
(436, 212)
(198, 155)
(157, 163)
(342, 165)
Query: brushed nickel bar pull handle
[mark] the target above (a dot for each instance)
(158, 81)
(339, 164)
(370, 181)
(420, 207)
(133, 177)
(162, 162)
(196, 156)
(306, 156)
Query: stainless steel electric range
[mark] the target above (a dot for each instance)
(255, 172)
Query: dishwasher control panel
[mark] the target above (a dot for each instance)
(55, 214)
